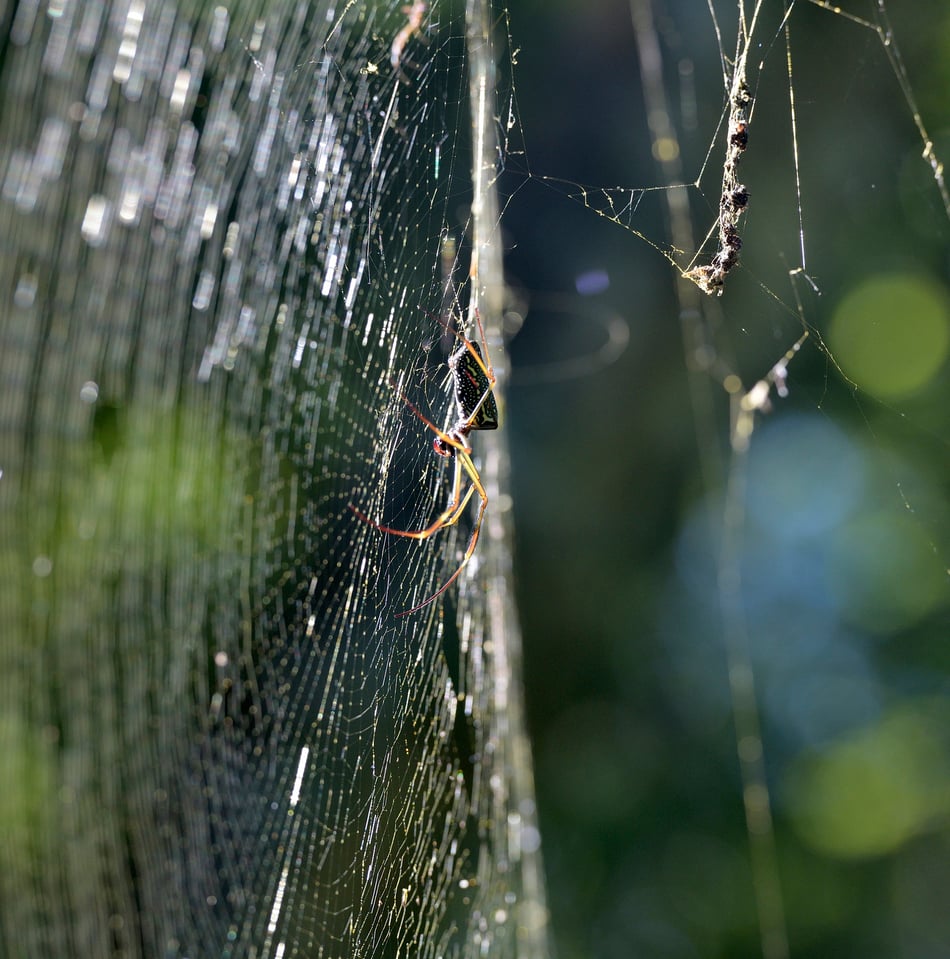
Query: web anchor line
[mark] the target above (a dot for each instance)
(735, 197)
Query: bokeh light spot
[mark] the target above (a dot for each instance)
(806, 477)
(891, 335)
(883, 572)
(869, 794)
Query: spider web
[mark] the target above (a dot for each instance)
(229, 238)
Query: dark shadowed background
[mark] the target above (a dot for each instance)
(845, 543)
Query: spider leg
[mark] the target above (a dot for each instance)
(469, 467)
(467, 343)
(456, 506)
(456, 443)
(449, 516)
(486, 367)
(478, 406)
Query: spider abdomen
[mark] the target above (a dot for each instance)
(473, 389)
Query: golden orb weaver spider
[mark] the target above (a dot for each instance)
(473, 382)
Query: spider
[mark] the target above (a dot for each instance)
(473, 381)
